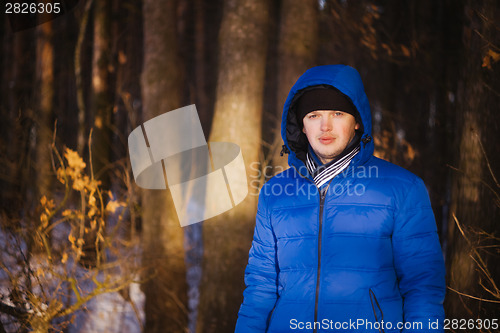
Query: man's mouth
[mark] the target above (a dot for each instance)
(326, 139)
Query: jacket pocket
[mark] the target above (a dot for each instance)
(377, 310)
(390, 320)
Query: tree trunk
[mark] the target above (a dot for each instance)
(81, 76)
(101, 100)
(298, 44)
(162, 237)
(45, 102)
(475, 191)
(18, 76)
(237, 119)
(200, 62)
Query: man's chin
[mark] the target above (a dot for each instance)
(325, 158)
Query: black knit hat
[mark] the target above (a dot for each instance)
(323, 99)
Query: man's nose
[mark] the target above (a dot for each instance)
(326, 124)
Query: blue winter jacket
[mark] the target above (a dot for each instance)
(365, 257)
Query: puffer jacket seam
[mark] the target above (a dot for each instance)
(291, 207)
(392, 299)
(345, 234)
(365, 205)
(298, 269)
(357, 269)
(421, 235)
(296, 237)
(261, 243)
(401, 208)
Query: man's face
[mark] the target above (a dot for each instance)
(329, 132)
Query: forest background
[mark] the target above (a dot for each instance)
(73, 224)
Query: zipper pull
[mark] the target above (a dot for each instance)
(322, 195)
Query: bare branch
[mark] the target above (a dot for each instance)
(473, 297)
(473, 178)
(487, 160)
(480, 262)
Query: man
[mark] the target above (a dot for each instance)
(343, 240)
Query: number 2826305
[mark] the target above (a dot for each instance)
(32, 8)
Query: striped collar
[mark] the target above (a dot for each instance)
(323, 173)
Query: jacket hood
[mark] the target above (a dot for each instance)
(341, 77)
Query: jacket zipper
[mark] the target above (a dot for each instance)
(322, 195)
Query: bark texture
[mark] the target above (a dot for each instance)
(471, 265)
(237, 119)
(298, 44)
(101, 100)
(45, 101)
(162, 236)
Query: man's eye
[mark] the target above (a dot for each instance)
(312, 116)
(339, 114)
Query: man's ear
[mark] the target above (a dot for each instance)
(357, 126)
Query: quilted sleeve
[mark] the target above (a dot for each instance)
(261, 273)
(418, 260)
